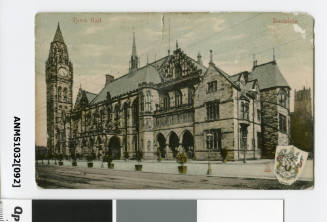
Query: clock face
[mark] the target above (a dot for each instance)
(63, 72)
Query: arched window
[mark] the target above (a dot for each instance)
(142, 102)
(59, 93)
(135, 113)
(178, 98)
(135, 143)
(166, 102)
(65, 94)
(125, 111)
(148, 101)
(178, 71)
(190, 95)
(245, 110)
(117, 111)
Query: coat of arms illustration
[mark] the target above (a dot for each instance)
(289, 163)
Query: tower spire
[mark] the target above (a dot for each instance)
(134, 46)
(274, 59)
(58, 36)
(134, 62)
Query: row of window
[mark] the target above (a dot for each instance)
(213, 139)
(213, 111)
(178, 98)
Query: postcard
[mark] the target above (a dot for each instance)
(174, 100)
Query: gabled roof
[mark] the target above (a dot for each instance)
(224, 74)
(149, 73)
(268, 76)
(90, 96)
(129, 82)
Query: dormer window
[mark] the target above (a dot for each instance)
(212, 86)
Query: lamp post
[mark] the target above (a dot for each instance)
(244, 146)
(209, 142)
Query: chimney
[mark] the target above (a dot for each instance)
(255, 63)
(109, 79)
(199, 58)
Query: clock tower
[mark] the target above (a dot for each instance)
(59, 84)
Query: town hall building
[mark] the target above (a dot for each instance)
(173, 104)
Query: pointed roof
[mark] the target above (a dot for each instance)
(58, 36)
(134, 46)
(83, 93)
(268, 76)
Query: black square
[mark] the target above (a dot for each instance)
(71, 210)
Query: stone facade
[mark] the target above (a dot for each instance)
(271, 109)
(171, 105)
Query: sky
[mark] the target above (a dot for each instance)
(105, 46)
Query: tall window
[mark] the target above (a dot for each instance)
(178, 98)
(125, 113)
(259, 114)
(282, 123)
(282, 98)
(142, 102)
(65, 94)
(117, 111)
(135, 113)
(190, 95)
(148, 101)
(166, 102)
(215, 143)
(213, 110)
(59, 93)
(212, 86)
(245, 110)
(135, 143)
(178, 71)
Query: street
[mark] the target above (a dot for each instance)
(68, 177)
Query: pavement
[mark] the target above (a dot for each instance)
(256, 169)
(68, 177)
